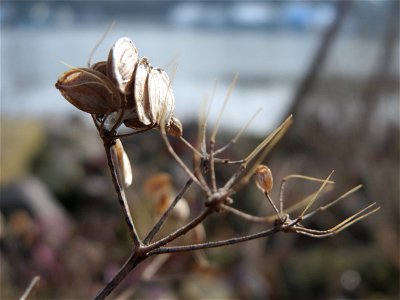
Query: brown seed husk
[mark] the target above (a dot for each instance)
(141, 92)
(121, 64)
(89, 91)
(264, 179)
(100, 66)
(175, 127)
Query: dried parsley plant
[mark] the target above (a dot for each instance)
(128, 90)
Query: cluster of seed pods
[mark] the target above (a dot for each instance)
(124, 84)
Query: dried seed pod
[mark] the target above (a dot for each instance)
(141, 92)
(161, 97)
(264, 179)
(100, 66)
(175, 127)
(122, 163)
(89, 91)
(121, 64)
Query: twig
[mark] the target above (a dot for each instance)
(164, 217)
(32, 286)
(181, 231)
(239, 134)
(207, 245)
(130, 264)
(121, 195)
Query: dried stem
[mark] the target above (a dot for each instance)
(129, 265)
(31, 288)
(166, 214)
(222, 243)
(121, 195)
(239, 134)
(181, 231)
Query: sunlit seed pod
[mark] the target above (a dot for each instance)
(121, 64)
(100, 66)
(141, 92)
(122, 165)
(89, 91)
(263, 178)
(175, 127)
(161, 97)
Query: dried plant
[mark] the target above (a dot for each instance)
(127, 90)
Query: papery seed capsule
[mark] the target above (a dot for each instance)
(122, 163)
(161, 97)
(264, 179)
(100, 66)
(175, 127)
(141, 92)
(89, 91)
(121, 64)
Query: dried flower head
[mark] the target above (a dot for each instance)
(263, 178)
(139, 95)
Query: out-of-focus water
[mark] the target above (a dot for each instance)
(270, 64)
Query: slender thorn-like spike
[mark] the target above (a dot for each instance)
(239, 134)
(268, 143)
(350, 220)
(345, 195)
(248, 217)
(221, 112)
(309, 178)
(268, 139)
(316, 195)
(99, 42)
(206, 116)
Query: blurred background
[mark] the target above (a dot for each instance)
(333, 64)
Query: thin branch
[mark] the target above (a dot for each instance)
(239, 134)
(321, 208)
(212, 166)
(338, 228)
(199, 155)
(228, 94)
(181, 231)
(222, 243)
(316, 195)
(166, 214)
(99, 42)
(267, 144)
(129, 265)
(32, 286)
(190, 146)
(179, 160)
(121, 195)
(248, 217)
(204, 122)
(273, 205)
(269, 138)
